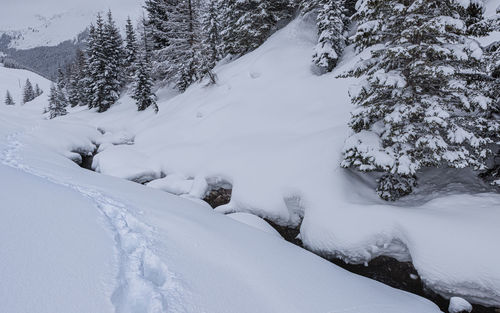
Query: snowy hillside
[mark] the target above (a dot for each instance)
(57, 21)
(86, 242)
(13, 80)
(262, 129)
(136, 233)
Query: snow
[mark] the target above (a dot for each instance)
(34, 25)
(459, 305)
(274, 132)
(254, 221)
(86, 242)
(13, 80)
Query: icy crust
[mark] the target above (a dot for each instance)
(276, 132)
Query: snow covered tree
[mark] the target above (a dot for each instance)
(143, 85)
(421, 102)
(8, 99)
(332, 34)
(211, 30)
(114, 54)
(248, 23)
(177, 46)
(38, 91)
(143, 82)
(76, 83)
(57, 102)
(160, 15)
(28, 92)
(104, 64)
(130, 47)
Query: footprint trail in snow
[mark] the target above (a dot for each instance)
(144, 283)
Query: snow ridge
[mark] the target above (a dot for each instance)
(144, 282)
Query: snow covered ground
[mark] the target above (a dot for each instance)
(274, 132)
(77, 241)
(13, 80)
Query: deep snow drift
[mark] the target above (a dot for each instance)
(274, 131)
(77, 241)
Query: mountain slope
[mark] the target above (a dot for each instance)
(274, 131)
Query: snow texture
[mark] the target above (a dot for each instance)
(85, 242)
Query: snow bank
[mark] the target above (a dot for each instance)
(275, 131)
(85, 242)
(254, 221)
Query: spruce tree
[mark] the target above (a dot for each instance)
(114, 55)
(422, 102)
(160, 20)
(211, 30)
(130, 48)
(28, 93)
(248, 23)
(38, 91)
(332, 34)
(104, 77)
(143, 82)
(8, 99)
(57, 102)
(76, 84)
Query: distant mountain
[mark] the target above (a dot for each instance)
(43, 44)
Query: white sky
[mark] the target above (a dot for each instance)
(18, 13)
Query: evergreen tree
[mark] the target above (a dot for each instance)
(248, 23)
(38, 91)
(104, 78)
(57, 102)
(130, 47)
(76, 84)
(28, 93)
(211, 30)
(8, 99)
(143, 82)
(160, 20)
(422, 103)
(332, 34)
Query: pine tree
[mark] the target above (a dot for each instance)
(422, 103)
(143, 82)
(332, 34)
(211, 30)
(104, 78)
(114, 55)
(160, 20)
(57, 102)
(38, 91)
(248, 23)
(8, 99)
(29, 93)
(76, 84)
(130, 47)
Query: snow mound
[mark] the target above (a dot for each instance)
(276, 131)
(459, 305)
(255, 222)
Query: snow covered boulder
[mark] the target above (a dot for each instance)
(178, 184)
(124, 162)
(459, 305)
